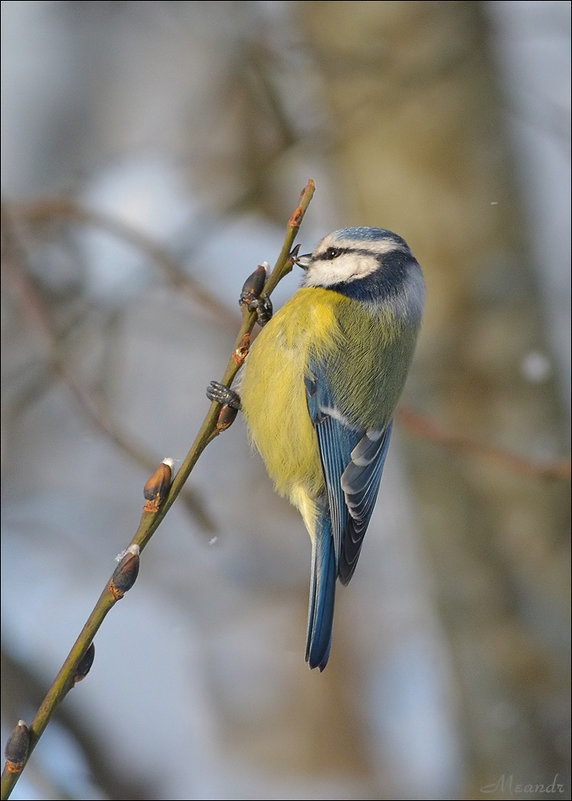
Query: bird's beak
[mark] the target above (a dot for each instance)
(303, 261)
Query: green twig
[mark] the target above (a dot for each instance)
(153, 514)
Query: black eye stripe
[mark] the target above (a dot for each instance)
(333, 253)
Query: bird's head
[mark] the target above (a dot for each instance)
(367, 264)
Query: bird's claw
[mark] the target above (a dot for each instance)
(219, 393)
(262, 306)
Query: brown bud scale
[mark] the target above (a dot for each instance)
(124, 575)
(241, 351)
(85, 664)
(226, 417)
(16, 751)
(157, 487)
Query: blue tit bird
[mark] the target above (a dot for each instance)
(318, 392)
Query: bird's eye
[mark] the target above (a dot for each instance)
(332, 253)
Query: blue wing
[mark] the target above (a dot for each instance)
(352, 461)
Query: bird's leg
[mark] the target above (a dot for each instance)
(218, 393)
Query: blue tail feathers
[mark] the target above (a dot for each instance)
(322, 595)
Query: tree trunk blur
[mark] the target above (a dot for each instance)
(419, 129)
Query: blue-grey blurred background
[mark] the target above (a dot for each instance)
(153, 148)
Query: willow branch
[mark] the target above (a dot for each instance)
(74, 667)
(209, 429)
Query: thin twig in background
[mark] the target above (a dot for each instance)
(51, 209)
(553, 469)
(34, 307)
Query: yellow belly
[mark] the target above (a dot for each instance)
(274, 396)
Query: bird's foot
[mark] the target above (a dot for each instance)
(254, 298)
(262, 306)
(219, 393)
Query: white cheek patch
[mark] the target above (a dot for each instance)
(347, 267)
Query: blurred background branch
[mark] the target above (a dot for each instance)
(37, 311)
